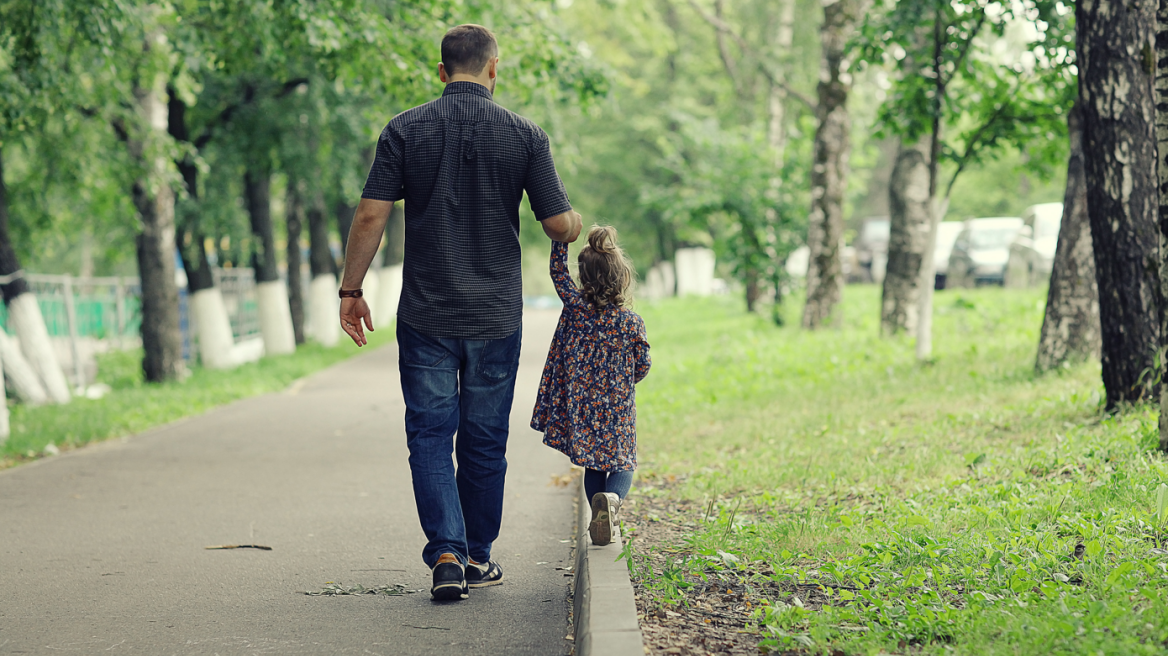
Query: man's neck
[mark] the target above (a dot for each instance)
(484, 81)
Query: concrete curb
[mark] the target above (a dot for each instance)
(605, 613)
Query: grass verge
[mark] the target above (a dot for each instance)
(871, 504)
(134, 406)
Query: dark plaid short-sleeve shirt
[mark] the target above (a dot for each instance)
(462, 163)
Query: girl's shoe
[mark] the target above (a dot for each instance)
(605, 506)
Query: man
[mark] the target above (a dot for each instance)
(461, 163)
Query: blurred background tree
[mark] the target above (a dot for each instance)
(681, 122)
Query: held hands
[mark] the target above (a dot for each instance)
(577, 226)
(563, 227)
(354, 311)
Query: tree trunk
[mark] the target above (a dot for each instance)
(1070, 329)
(323, 303)
(829, 171)
(294, 218)
(1116, 64)
(26, 384)
(14, 283)
(257, 191)
(26, 318)
(910, 217)
(753, 289)
(154, 200)
(271, 292)
(320, 258)
(344, 213)
(1161, 103)
(391, 264)
(395, 236)
(776, 126)
(25, 381)
(936, 206)
(189, 239)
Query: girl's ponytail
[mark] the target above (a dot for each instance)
(602, 239)
(605, 273)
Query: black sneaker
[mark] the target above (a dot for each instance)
(449, 580)
(481, 575)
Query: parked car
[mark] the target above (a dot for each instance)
(1032, 251)
(981, 251)
(871, 250)
(947, 232)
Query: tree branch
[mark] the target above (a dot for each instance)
(775, 79)
(971, 145)
(966, 46)
(723, 51)
(229, 111)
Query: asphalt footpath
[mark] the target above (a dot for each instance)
(102, 550)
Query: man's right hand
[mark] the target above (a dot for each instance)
(354, 313)
(564, 227)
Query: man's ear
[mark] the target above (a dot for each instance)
(442, 72)
(492, 67)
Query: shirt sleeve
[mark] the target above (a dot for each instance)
(641, 353)
(563, 279)
(385, 181)
(544, 188)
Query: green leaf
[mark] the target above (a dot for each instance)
(1161, 504)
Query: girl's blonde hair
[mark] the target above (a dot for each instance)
(605, 273)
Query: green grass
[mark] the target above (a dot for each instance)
(134, 406)
(930, 508)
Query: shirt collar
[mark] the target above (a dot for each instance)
(467, 87)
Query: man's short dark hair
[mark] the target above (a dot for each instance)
(466, 49)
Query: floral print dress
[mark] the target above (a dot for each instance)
(586, 405)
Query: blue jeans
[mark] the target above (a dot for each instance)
(617, 482)
(458, 395)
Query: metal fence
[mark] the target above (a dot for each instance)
(87, 316)
(239, 295)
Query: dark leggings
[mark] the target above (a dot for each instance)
(617, 482)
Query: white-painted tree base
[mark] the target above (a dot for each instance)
(26, 318)
(247, 350)
(25, 381)
(275, 318)
(213, 327)
(324, 323)
(390, 295)
(695, 272)
(371, 292)
(654, 289)
(5, 427)
(668, 278)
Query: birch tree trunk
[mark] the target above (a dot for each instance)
(829, 171)
(1116, 66)
(1070, 328)
(1161, 103)
(910, 218)
(154, 200)
(776, 126)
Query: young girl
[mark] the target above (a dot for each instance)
(587, 404)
